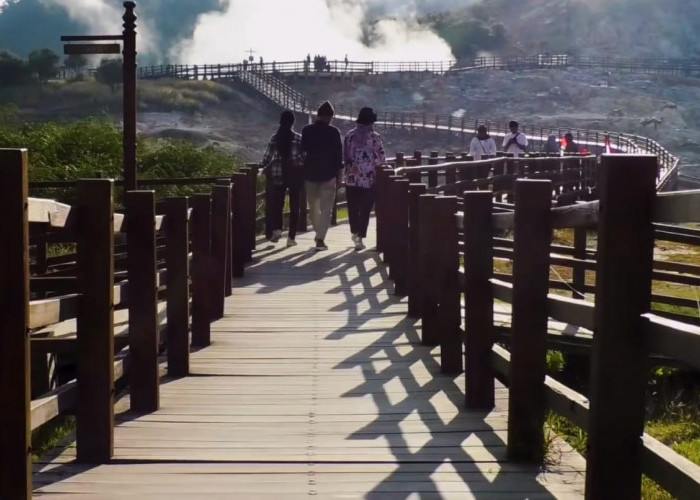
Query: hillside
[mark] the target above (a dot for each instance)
(620, 28)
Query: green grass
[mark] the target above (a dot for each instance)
(50, 435)
(93, 148)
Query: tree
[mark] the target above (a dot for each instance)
(43, 63)
(76, 63)
(13, 70)
(109, 72)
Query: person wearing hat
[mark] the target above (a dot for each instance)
(283, 161)
(482, 146)
(515, 142)
(322, 145)
(364, 154)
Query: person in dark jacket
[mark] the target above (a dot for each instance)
(284, 160)
(569, 145)
(323, 149)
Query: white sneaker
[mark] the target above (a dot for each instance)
(276, 235)
(354, 238)
(359, 245)
(291, 243)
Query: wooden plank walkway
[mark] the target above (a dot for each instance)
(315, 385)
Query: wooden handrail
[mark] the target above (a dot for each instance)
(89, 302)
(666, 340)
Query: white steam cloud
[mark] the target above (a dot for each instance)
(105, 18)
(288, 30)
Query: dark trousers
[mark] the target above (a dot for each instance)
(278, 194)
(360, 203)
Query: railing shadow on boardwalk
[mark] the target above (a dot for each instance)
(360, 271)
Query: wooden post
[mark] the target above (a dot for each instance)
(447, 284)
(252, 206)
(95, 323)
(130, 100)
(426, 262)
(15, 367)
(229, 236)
(414, 287)
(143, 301)
(579, 271)
(178, 306)
(382, 201)
(269, 190)
(478, 321)
(433, 174)
(239, 253)
(202, 267)
(220, 227)
(619, 354)
(249, 208)
(401, 236)
(391, 214)
(532, 235)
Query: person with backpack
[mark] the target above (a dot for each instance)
(482, 146)
(515, 142)
(364, 154)
(284, 159)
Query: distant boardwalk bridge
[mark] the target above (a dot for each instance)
(268, 80)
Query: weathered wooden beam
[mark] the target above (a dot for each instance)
(478, 310)
(95, 351)
(202, 269)
(447, 285)
(413, 280)
(178, 306)
(15, 367)
(143, 301)
(623, 294)
(526, 406)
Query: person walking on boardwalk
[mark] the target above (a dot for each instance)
(284, 159)
(551, 146)
(364, 154)
(323, 149)
(515, 142)
(568, 144)
(482, 146)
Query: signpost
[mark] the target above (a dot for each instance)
(128, 48)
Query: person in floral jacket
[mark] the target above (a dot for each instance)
(364, 153)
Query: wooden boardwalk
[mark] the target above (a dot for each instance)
(315, 385)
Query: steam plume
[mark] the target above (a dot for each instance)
(288, 30)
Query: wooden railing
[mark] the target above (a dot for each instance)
(218, 71)
(456, 305)
(516, 63)
(558, 61)
(594, 141)
(187, 256)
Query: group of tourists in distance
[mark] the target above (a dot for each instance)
(318, 160)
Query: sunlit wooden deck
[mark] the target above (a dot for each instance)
(315, 385)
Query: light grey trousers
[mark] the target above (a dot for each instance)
(320, 197)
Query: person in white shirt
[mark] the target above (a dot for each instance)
(515, 142)
(482, 145)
